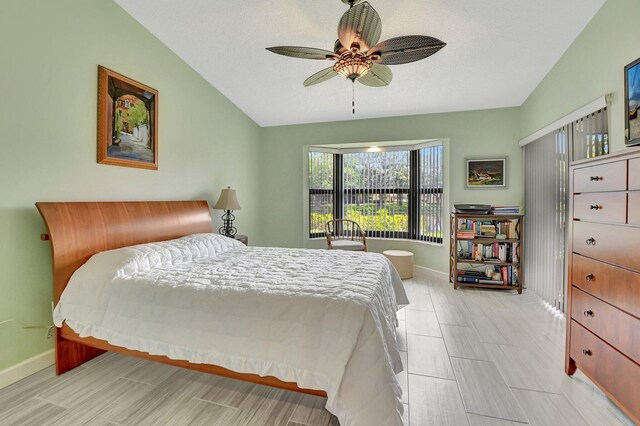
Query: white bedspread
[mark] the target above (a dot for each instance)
(324, 319)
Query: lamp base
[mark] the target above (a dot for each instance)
(227, 229)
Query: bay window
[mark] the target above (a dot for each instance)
(391, 192)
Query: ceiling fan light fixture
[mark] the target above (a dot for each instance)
(352, 65)
(359, 53)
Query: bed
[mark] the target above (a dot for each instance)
(148, 279)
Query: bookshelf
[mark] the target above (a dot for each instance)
(486, 241)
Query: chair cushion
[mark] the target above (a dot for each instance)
(347, 245)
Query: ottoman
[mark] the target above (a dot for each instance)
(402, 260)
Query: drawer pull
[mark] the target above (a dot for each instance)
(596, 178)
(591, 241)
(589, 277)
(594, 207)
(588, 313)
(586, 352)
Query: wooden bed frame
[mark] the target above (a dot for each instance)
(79, 230)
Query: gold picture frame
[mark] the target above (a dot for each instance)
(127, 121)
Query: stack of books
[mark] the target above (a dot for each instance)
(488, 231)
(508, 274)
(508, 229)
(472, 277)
(505, 209)
(466, 234)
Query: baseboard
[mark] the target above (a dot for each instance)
(26, 368)
(431, 272)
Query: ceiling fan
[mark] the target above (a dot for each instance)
(358, 54)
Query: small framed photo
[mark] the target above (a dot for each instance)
(486, 173)
(632, 102)
(127, 122)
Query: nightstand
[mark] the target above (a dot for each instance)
(243, 239)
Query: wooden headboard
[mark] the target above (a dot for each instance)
(79, 230)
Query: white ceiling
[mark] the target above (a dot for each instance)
(497, 52)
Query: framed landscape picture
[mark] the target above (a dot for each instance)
(632, 101)
(127, 121)
(486, 173)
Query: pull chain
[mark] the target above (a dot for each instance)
(353, 97)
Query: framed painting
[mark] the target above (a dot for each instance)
(632, 102)
(486, 173)
(127, 121)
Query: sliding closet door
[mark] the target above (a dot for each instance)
(546, 199)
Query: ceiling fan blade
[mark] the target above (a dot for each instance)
(405, 49)
(360, 24)
(320, 76)
(378, 76)
(302, 52)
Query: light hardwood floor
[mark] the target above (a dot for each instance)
(472, 357)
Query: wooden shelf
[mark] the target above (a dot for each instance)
(488, 216)
(455, 261)
(487, 262)
(501, 287)
(489, 240)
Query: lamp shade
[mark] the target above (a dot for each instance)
(228, 200)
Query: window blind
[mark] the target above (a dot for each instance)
(376, 192)
(546, 187)
(547, 197)
(431, 193)
(321, 189)
(591, 135)
(391, 192)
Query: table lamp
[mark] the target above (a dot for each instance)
(228, 202)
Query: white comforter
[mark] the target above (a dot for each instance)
(324, 319)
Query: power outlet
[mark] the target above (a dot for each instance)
(50, 332)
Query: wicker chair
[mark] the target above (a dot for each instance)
(345, 234)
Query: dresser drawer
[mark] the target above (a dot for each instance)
(634, 174)
(634, 208)
(617, 286)
(604, 177)
(615, 327)
(616, 244)
(616, 373)
(601, 207)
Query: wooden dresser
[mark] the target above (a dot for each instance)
(603, 333)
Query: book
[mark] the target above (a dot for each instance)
(469, 273)
(513, 229)
(502, 253)
(488, 281)
(488, 230)
(465, 235)
(505, 209)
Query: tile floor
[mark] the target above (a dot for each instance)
(472, 357)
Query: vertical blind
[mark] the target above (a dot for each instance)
(590, 135)
(546, 177)
(376, 192)
(430, 193)
(396, 192)
(547, 198)
(321, 188)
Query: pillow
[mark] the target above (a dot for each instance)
(125, 261)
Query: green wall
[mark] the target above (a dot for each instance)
(591, 67)
(50, 52)
(471, 134)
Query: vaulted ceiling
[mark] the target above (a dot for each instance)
(497, 52)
